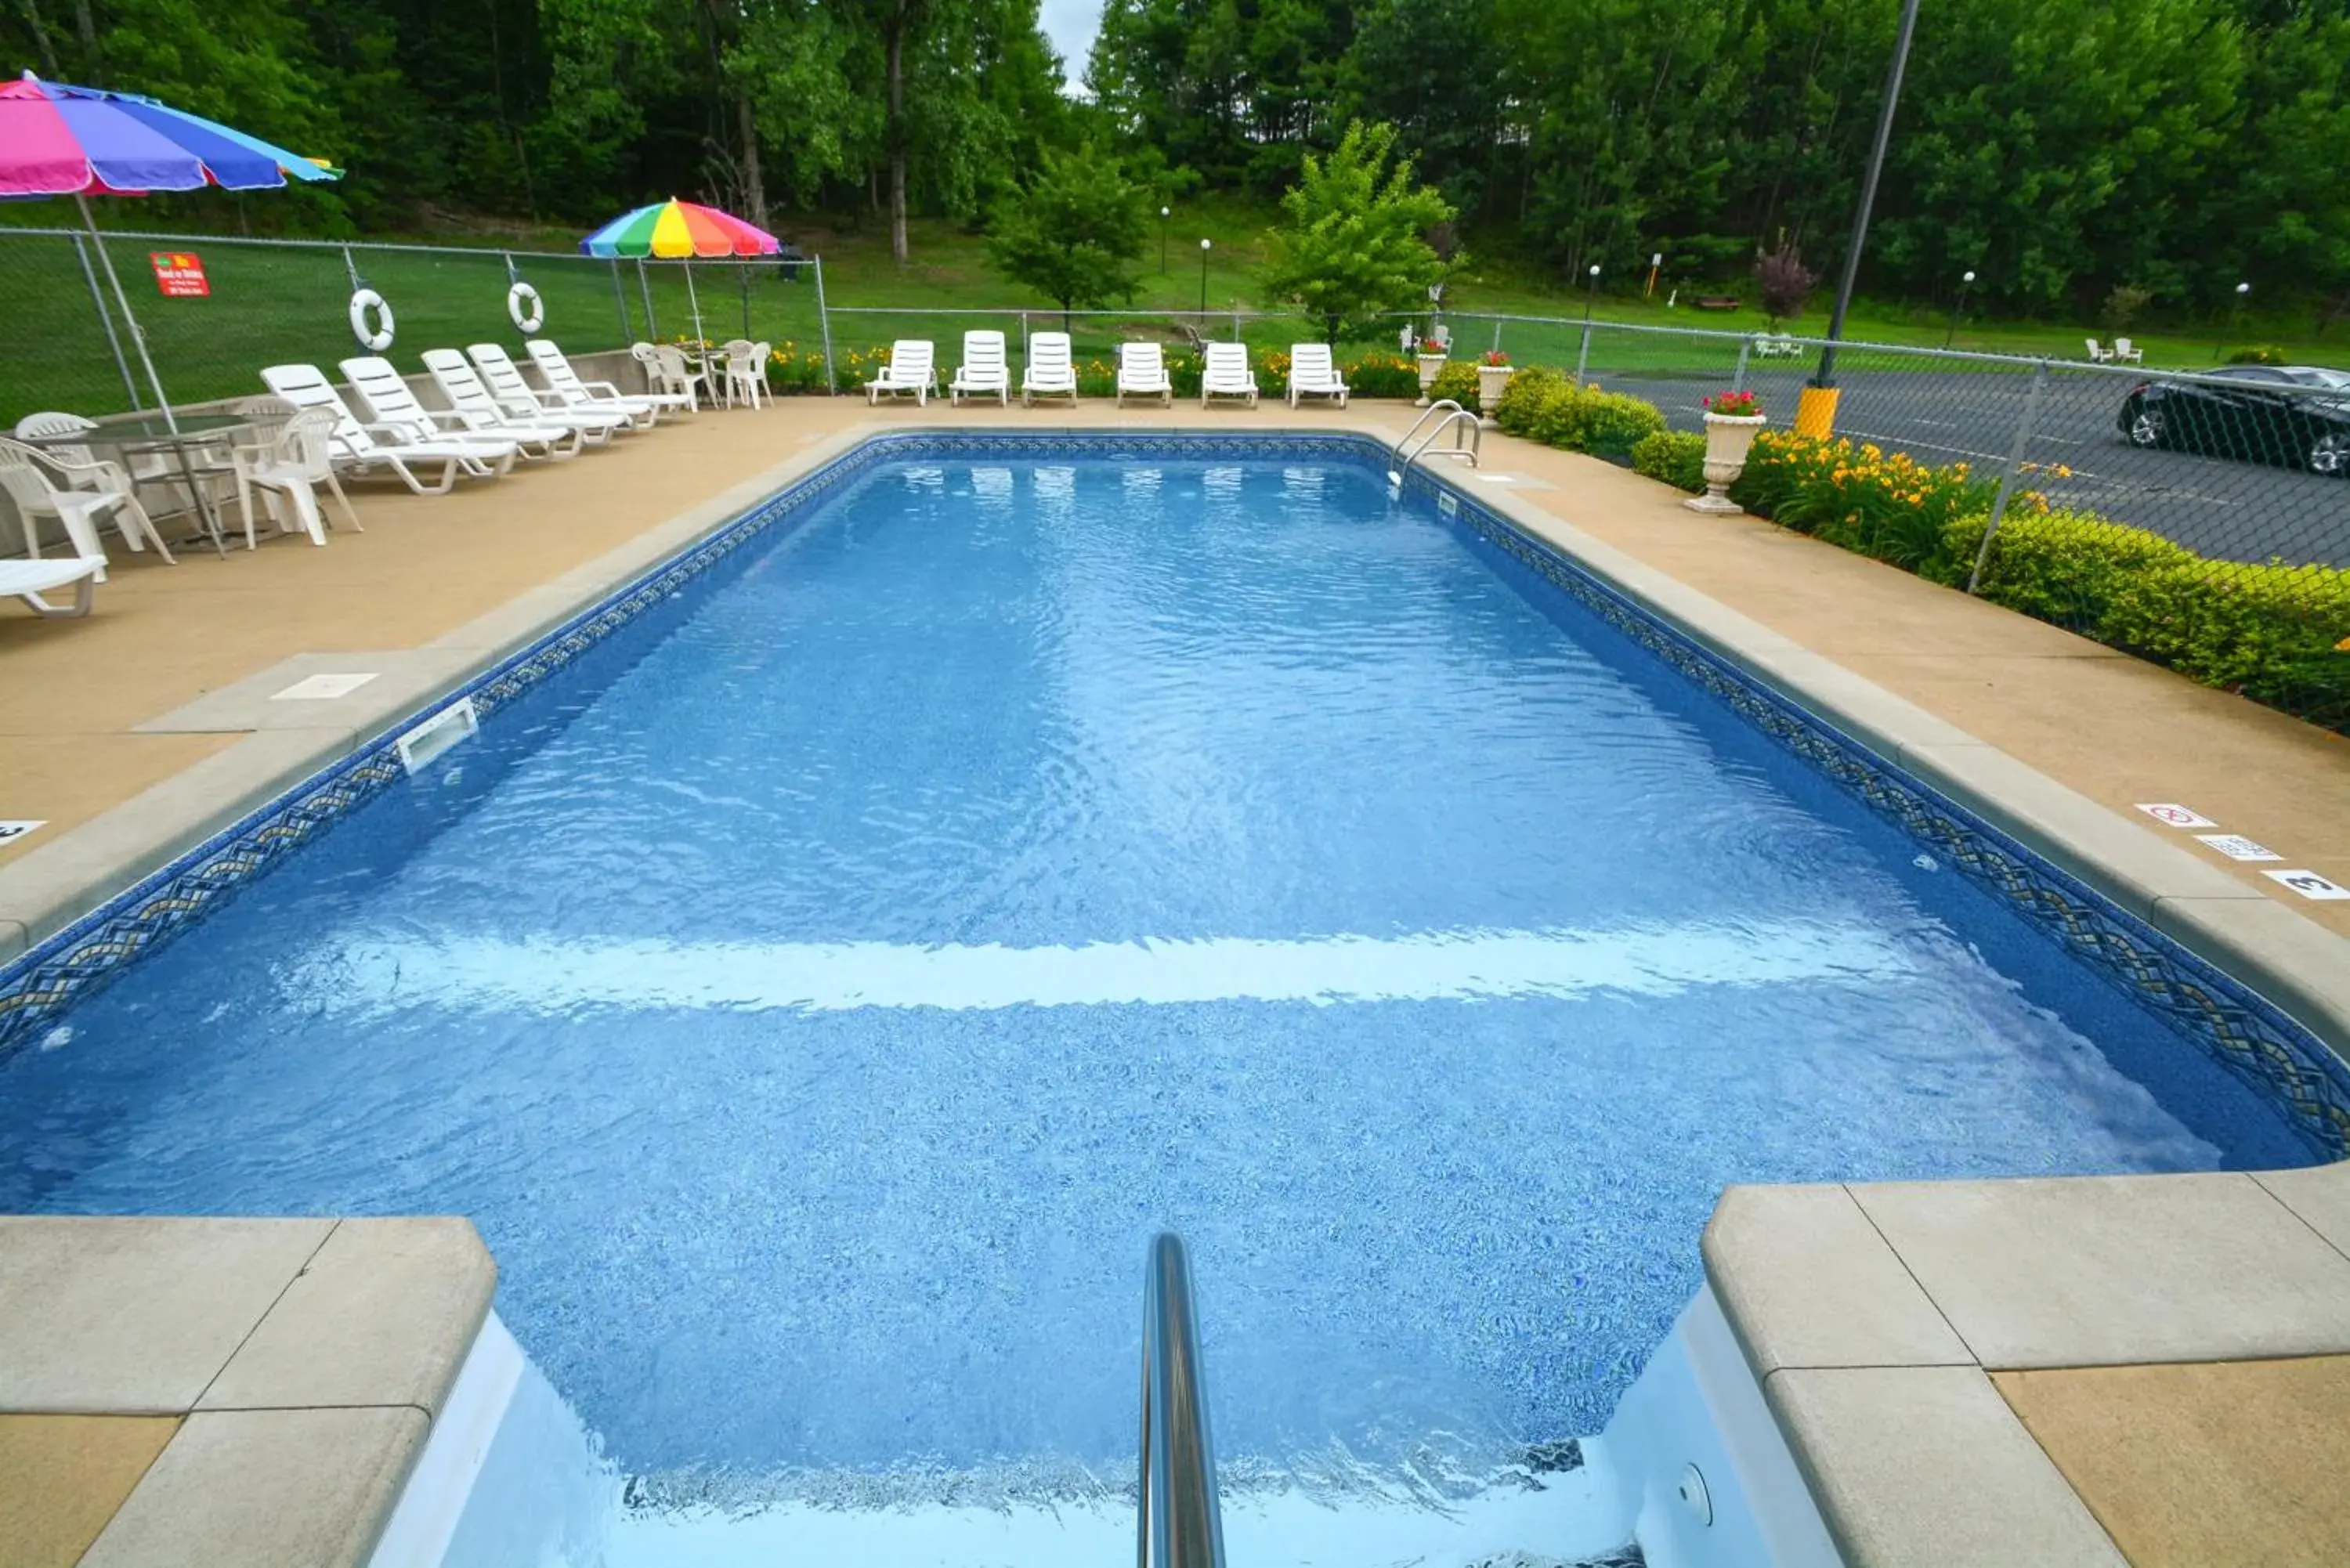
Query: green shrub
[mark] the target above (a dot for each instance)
(2260, 354)
(1457, 382)
(1526, 405)
(2063, 568)
(2279, 633)
(1885, 505)
(1674, 456)
(1610, 424)
(1381, 376)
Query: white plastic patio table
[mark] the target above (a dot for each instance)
(152, 434)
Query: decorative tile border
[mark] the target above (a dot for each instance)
(2247, 1034)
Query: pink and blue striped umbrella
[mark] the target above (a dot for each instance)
(60, 140)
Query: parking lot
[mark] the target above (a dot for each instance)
(2217, 507)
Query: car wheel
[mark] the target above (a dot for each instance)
(2329, 454)
(2146, 427)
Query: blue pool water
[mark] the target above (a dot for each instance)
(820, 995)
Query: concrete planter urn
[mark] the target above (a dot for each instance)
(1727, 439)
(1493, 381)
(1430, 367)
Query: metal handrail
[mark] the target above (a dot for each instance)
(1180, 1524)
(1473, 449)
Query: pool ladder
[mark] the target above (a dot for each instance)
(1455, 418)
(1180, 1524)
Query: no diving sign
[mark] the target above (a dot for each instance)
(179, 274)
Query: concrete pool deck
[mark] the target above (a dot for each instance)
(138, 731)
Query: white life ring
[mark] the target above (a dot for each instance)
(379, 338)
(525, 309)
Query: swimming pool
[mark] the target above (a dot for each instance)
(820, 990)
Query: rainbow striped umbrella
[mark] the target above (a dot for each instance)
(675, 229)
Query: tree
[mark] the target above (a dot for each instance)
(1353, 247)
(1071, 232)
(1785, 282)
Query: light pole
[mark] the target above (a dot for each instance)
(1162, 241)
(1591, 294)
(1205, 246)
(1966, 282)
(2235, 318)
(1816, 413)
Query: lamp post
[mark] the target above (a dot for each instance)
(1205, 246)
(1162, 241)
(1816, 414)
(1591, 294)
(1966, 282)
(2235, 318)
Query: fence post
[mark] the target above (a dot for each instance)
(1497, 335)
(1583, 354)
(2015, 467)
(645, 287)
(824, 320)
(620, 298)
(1738, 376)
(351, 269)
(743, 282)
(106, 320)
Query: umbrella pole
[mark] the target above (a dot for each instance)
(138, 337)
(700, 337)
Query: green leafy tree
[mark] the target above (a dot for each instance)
(1072, 232)
(1352, 247)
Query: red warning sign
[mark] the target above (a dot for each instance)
(180, 274)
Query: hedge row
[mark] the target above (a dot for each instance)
(2279, 634)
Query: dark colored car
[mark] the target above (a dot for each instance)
(2297, 415)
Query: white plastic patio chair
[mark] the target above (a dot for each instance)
(2126, 352)
(1443, 336)
(912, 368)
(32, 479)
(1142, 373)
(984, 371)
(766, 357)
(358, 451)
(88, 471)
(1049, 373)
(745, 381)
(1312, 374)
(2099, 353)
(291, 456)
(391, 404)
(668, 374)
(564, 383)
(521, 401)
(549, 436)
(1226, 374)
(26, 581)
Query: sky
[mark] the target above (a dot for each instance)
(1071, 24)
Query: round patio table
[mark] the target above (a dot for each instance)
(152, 434)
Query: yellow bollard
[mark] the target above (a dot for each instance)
(1816, 414)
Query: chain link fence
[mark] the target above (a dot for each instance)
(278, 301)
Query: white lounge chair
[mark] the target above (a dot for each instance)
(28, 580)
(554, 436)
(1227, 374)
(912, 368)
(2099, 353)
(1312, 374)
(32, 479)
(2128, 353)
(358, 449)
(746, 380)
(522, 401)
(982, 372)
(1049, 372)
(391, 405)
(1142, 373)
(571, 392)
